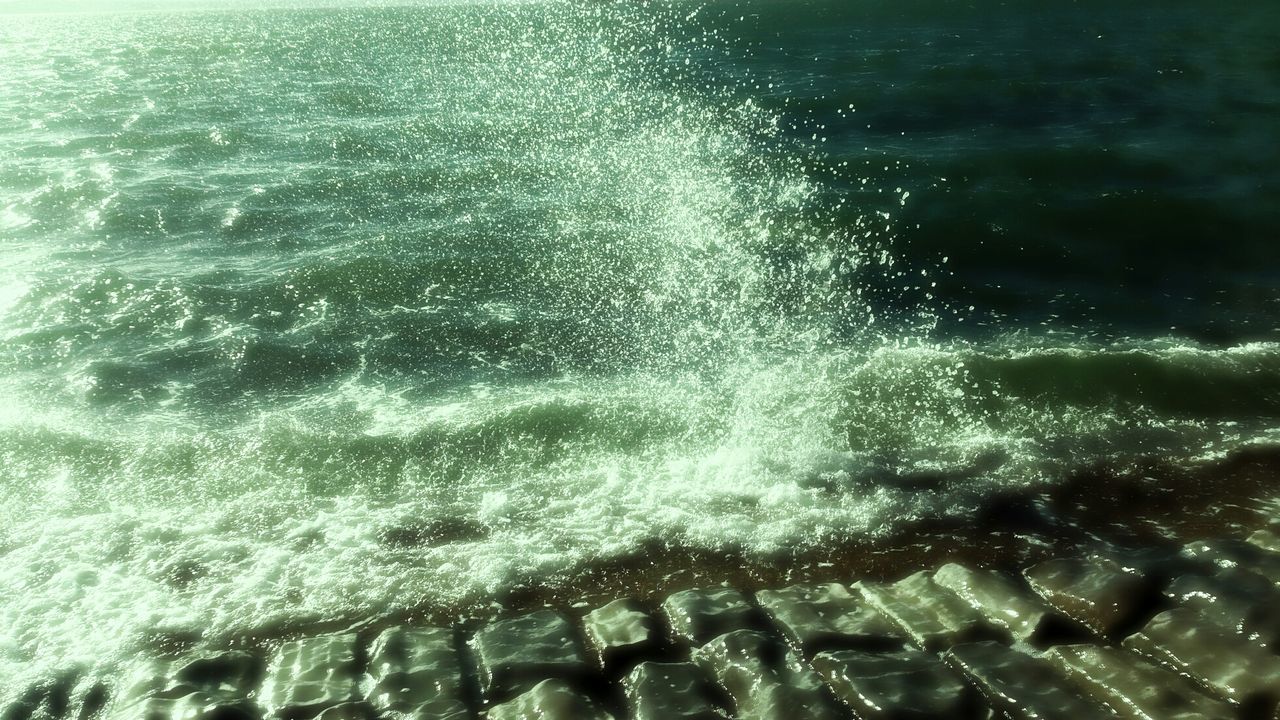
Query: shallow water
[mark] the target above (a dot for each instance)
(317, 314)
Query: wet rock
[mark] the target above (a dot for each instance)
(765, 680)
(516, 654)
(1019, 685)
(88, 697)
(307, 677)
(149, 679)
(817, 617)
(349, 711)
(1219, 660)
(1097, 592)
(1267, 539)
(192, 706)
(70, 695)
(697, 616)
(619, 633)
(932, 617)
(1003, 604)
(1238, 600)
(415, 673)
(903, 685)
(232, 673)
(1229, 554)
(670, 691)
(1132, 688)
(549, 700)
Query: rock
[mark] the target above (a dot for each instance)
(88, 697)
(1001, 603)
(549, 700)
(670, 691)
(903, 685)
(192, 706)
(697, 616)
(1219, 660)
(1132, 688)
(826, 616)
(70, 695)
(1236, 599)
(516, 654)
(234, 673)
(349, 711)
(1268, 539)
(765, 680)
(932, 617)
(307, 677)
(619, 633)
(1095, 591)
(149, 679)
(1227, 554)
(1019, 685)
(415, 673)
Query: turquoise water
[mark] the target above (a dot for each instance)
(537, 285)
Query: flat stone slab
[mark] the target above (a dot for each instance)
(620, 632)
(193, 706)
(416, 673)
(1019, 685)
(697, 616)
(549, 700)
(904, 685)
(307, 677)
(1236, 599)
(1227, 554)
(1000, 602)
(933, 618)
(233, 673)
(670, 691)
(824, 616)
(765, 680)
(516, 654)
(71, 694)
(1219, 660)
(1094, 591)
(1267, 539)
(1132, 688)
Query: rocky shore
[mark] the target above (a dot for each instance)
(1027, 612)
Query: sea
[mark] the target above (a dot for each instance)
(314, 314)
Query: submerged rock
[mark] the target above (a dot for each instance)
(1026, 617)
(70, 695)
(516, 654)
(904, 685)
(1228, 554)
(1219, 660)
(765, 680)
(670, 691)
(620, 632)
(1267, 539)
(1019, 685)
(1132, 688)
(193, 706)
(307, 677)
(1239, 600)
(932, 617)
(549, 700)
(1095, 591)
(826, 616)
(697, 616)
(415, 674)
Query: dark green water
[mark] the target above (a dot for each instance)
(279, 287)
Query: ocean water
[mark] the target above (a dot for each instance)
(309, 315)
